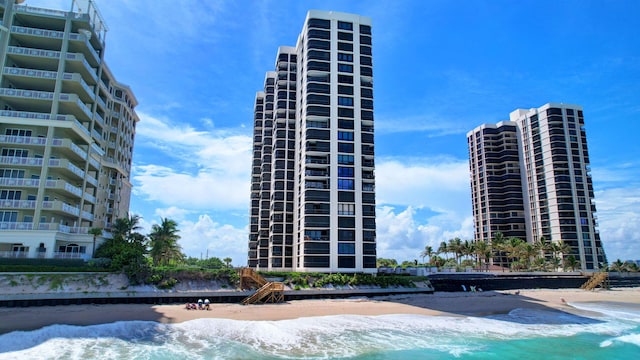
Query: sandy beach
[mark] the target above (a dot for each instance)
(443, 303)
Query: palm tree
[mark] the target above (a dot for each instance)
(164, 242)
(455, 246)
(227, 261)
(124, 227)
(497, 245)
(95, 232)
(468, 248)
(617, 266)
(443, 249)
(571, 262)
(428, 251)
(482, 250)
(513, 248)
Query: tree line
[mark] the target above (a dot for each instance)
(511, 253)
(136, 254)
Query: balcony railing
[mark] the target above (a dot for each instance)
(31, 94)
(35, 10)
(71, 255)
(5, 181)
(14, 254)
(33, 52)
(28, 140)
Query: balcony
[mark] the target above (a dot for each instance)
(60, 206)
(87, 215)
(90, 198)
(79, 59)
(85, 38)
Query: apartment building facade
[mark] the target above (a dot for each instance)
(67, 131)
(557, 190)
(313, 182)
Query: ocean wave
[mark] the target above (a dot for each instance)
(316, 337)
(612, 310)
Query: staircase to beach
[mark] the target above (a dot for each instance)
(600, 279)
(267, 291)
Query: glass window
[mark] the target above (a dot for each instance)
(346, 248)
(345, 147)
(345, 135)
(345, 159)
(345, 36)
(345, 68)
(346, 235)
(344, 46)
(345, 171)
(345, 25)
(346, 209)
(345, 57)
(345, 90)
(346, 101)
(345, 184)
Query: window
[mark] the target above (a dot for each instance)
(345, 79)
(17, 132)
(346, 101)
(348, 262)
(345, 184)
(343, 46)
(346, 248)
(365, 29)
(345, 171)
(345, 36)
(345, 147)
(345, 124)
(345, 159)
(345, 57)
(346, 235)
(345, 135)
(15, 152)
(345, 25)
(345, 68)
(346, 209)
(10, 195)
(11, 173)
(8, 216)
(346, 112)
(345, 90)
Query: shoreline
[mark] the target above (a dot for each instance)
(438, 304)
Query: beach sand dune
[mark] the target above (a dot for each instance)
(453, 304)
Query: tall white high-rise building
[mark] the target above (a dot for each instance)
(67, 130)
(557, 191)
(313, 182)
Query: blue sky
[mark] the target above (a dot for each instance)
(441, 68)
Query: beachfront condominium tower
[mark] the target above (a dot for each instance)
(66, 132)
(557, 191)
(497, 203)
(313, 183)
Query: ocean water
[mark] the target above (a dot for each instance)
(593, 331)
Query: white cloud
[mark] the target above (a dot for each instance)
(401, 235)
(619, 222)
(208, 237)
(212, 170)
(438, 184)
(438, 187)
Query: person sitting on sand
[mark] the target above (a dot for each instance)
(206, 304)
(200, 304)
